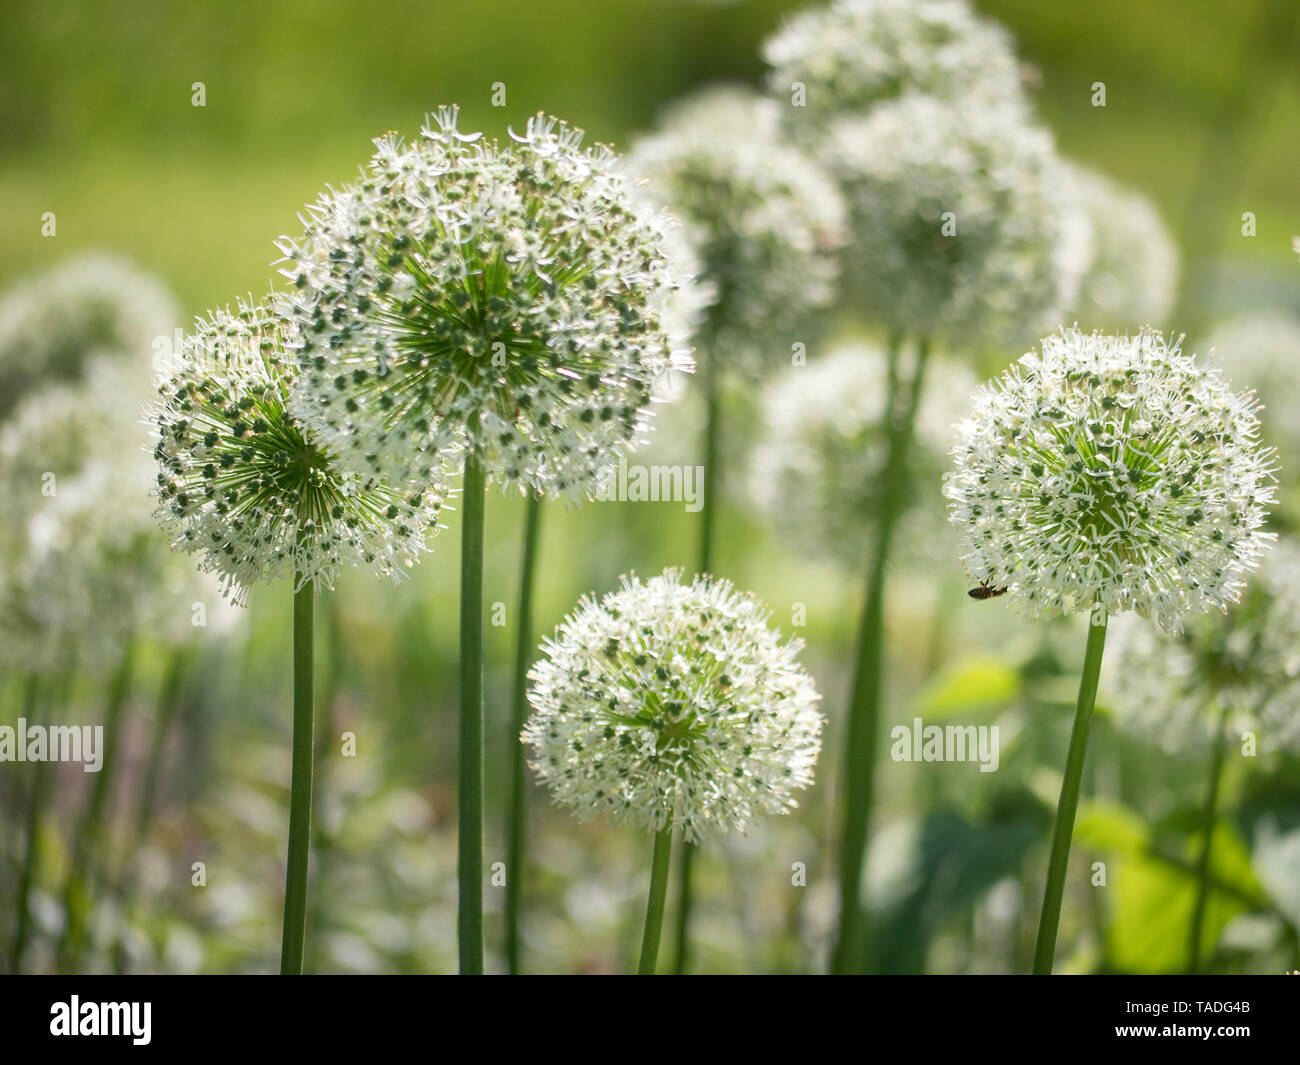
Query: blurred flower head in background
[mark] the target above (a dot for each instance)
(816, 469)
(94, 304)
(242, 485)
(764, 218)
(1232, 672)
(517, 303)
(1133, 271)
(854, 54)
(84, 571)
(958, 220)
(1262, 352)
(673, 704)
(1113, 471)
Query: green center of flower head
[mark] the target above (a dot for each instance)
(678, 705)
(467, 299)
(465, 341)
(255, 455)
(1103, 462)
(480, 276)
(243, 478)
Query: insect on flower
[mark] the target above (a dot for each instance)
(984, 590)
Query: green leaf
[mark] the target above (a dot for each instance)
(967, 687)
(1111, 828)
(1150, 896)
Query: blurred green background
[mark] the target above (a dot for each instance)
(96, 122)
(97, 126)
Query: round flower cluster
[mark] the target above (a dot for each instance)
(1262, 351)
(763, 217)
(84, 571)
(95, 304)
(515, 302)
(817, 468)
(1113, 472)
(54, 432)
(99, 576)
(244, 486)
(1134, 261)
(1246, 662)
(854, 54)
(959, 218)
(671, 704)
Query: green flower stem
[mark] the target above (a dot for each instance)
(85, 854)
(31, 709)
(1203, 859)
(708, 519)
(318, 918)
(654, 909)
(517, 815)
(295, 879)
(1050, 918)
(868, 675)
(470, 782)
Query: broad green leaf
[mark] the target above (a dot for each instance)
(967, 687)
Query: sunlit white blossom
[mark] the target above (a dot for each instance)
(245, 487)
(1114, 473)
(515, 301)
(673, 704)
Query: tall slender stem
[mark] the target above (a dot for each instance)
(1045, 947)
(85, 856)
(318, 920)
(470, 781)
(708, 521)
(518, 813)
(295, 879)
(901, 402)
(1207, 842)
(654, 908)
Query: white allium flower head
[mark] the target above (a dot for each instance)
(816, 469)
(250, 491)
(1246, 662)
(854, 54)
(958, 219)
(667, 703)
(55, 431)
(515, 301)
(1112, 470)
(764, 218)
(84, 570)
(1133, 274)
(93, 304)
(1262, 352)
